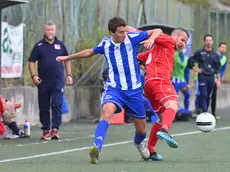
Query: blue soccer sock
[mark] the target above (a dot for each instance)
(100, 133)
(138, 138)
(186, 99)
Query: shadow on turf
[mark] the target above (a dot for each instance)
(125, 161)
(167, 161)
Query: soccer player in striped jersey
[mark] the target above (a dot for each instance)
(123, 87)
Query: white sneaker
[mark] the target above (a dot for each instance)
(10, 136)
(144, 151)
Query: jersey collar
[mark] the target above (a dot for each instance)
(44, 40)
(117, 45)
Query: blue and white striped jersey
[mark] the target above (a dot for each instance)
(122, 61)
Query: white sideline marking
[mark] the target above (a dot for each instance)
(106, 145)
(45, 142)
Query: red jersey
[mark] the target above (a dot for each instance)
(159, 60)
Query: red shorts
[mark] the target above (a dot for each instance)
(159, 91)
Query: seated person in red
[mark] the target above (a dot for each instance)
(8, 115)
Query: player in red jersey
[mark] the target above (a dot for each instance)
(158, 87)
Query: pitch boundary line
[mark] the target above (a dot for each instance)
(106, 145)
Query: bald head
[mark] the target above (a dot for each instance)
(179, 31)
(180, 37)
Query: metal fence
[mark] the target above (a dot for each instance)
(82, 23)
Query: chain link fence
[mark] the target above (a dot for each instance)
(81, 24)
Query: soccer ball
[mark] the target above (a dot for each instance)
(205, 122)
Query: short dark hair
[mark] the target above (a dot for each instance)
(207, 35)
(179, 29)
(222, 43)
(116, 22)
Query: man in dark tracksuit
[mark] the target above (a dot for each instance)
(208, 65)
(50, 79)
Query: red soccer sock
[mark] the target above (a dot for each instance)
(168, 118)
(153, 137)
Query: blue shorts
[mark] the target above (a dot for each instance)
(179, 85)
(130, 100)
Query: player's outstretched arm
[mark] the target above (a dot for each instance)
(153, 34)
(132, 29)
(82, 54)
